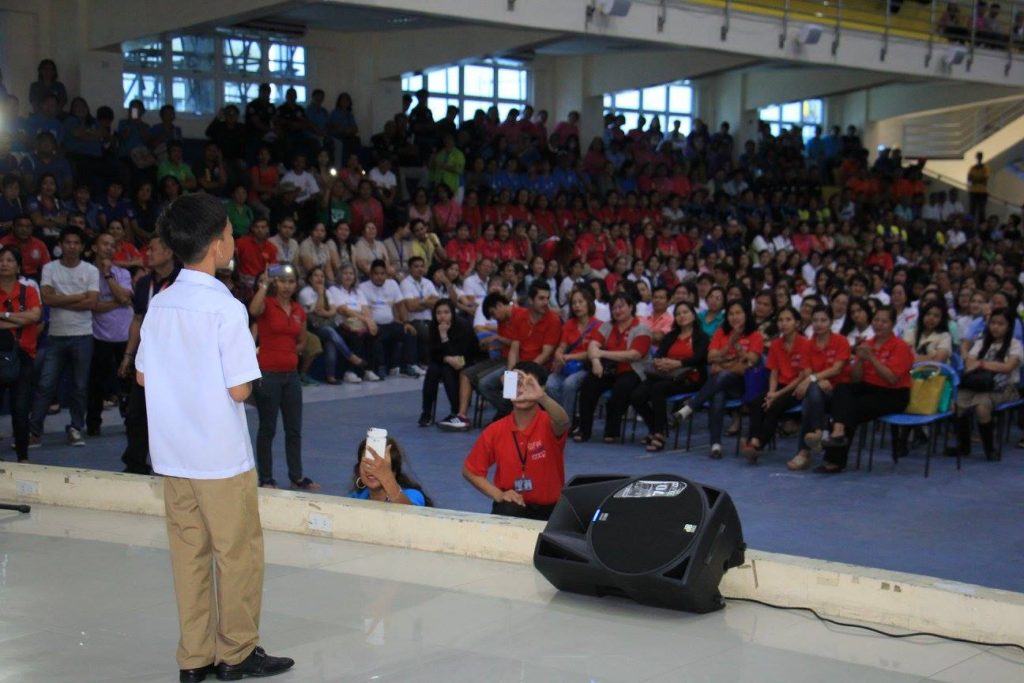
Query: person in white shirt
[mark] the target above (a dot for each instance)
(354, 320)
(955, 236)
(315, 251)
(369, 249)
(287, 245)
(301, 179)
(400, 249)
(932, 211)
(197, 361)
(394, 345)
(71, 288)
(420, 296)
(384, 180)
(476, 284)
(952, 206)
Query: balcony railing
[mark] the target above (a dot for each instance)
(968, 25)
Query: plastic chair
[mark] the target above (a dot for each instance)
(908, 420)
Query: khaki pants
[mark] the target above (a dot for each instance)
(215, 523)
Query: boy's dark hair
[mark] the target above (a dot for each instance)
(491, 301)
(72, 230)
(414, 259)
(378, 263)
(190, 224)
(535, 369)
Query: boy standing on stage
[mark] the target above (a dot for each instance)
(197, 362)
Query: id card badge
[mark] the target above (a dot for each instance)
(524, 485)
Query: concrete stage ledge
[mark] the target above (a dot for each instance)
(903, 601)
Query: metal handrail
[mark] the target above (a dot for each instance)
(962, 185)
(839, 22)
(929, 24)
(888, 26)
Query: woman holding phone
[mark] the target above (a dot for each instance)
(379, 477)
(281, 328)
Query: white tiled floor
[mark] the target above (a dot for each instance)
(86, 596)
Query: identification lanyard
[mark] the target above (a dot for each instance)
(523, 484)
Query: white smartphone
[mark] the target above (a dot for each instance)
(377, 440)
(510, 385)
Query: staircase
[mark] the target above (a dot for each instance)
(950, 135)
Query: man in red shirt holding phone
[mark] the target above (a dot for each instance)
(527, 449)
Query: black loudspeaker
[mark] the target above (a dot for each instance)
(661, 540)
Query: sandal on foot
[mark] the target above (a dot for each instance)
(268, 484)
(655, 444)
(610, 439)
(798, 462)
(306, 484)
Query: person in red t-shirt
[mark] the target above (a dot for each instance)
(594, 246)
(34, 253)
(255, 253)
(462, 250)
(21, 313)
(830, 367)
(532, 335)
(735, 348)
(788, 359)
(527, 450)
(614, 356)
(879, 385)
(679, 367)
(281, 329)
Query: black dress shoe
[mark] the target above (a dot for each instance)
(196, 675)
(257, 665)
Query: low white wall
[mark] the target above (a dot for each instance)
(894, 599)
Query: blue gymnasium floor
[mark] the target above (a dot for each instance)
(962, 526)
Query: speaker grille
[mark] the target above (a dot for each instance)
(636, 535)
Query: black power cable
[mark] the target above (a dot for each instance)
(875, 630)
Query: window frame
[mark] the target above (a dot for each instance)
(460, 98)
(218, 75)
(805, 124)
(612, 103)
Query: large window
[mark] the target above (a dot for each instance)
(198, 74)
(668, 103)
(804, 115)
(500, 83)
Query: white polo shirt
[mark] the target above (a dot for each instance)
(382, 299)
(196, 344)
(424, 289)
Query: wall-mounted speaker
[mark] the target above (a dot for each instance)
(810, 34)
(660, 539)
(614, 8)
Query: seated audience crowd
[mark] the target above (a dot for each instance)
(643, 271)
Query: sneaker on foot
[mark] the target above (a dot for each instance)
(425, 419)
(371, 376)
(454, 423)
(308, 381)
(75, 437)
(35, 441)
(409, 371)
(352, 378)
(393, 372)
(716, 451)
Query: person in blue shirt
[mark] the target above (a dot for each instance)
(509, 178)
(132, 132)
(45, 120)
(380, 477)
